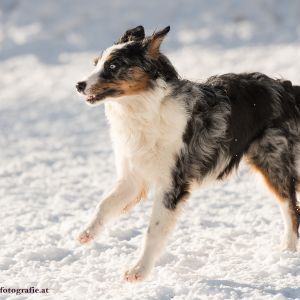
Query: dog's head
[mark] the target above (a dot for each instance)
(129, 67)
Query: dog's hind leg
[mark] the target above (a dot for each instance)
(274, 159)
(125, 194)
(284, 190)
(291, 222)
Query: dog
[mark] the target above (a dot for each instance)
(170, 135)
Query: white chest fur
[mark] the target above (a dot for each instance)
(146, 133)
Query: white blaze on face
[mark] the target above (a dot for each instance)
(93, 77)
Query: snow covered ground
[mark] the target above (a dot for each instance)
(56, 159)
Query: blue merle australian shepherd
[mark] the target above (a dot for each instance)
(170, 135)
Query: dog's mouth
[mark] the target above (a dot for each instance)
(94, 98)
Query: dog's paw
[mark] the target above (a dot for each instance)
(86, 236)
(136, 274)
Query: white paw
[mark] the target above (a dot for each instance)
(88, 234)
(137, 273)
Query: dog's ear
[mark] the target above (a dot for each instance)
(134, 34)
(155, 41)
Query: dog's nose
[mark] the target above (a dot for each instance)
(80, 86)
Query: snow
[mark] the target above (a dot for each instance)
(56, 158)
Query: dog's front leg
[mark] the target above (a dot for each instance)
(162, 222)
(123, 195)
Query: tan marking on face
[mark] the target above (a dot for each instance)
(138, 81)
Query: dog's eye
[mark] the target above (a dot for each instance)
(112, 66)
